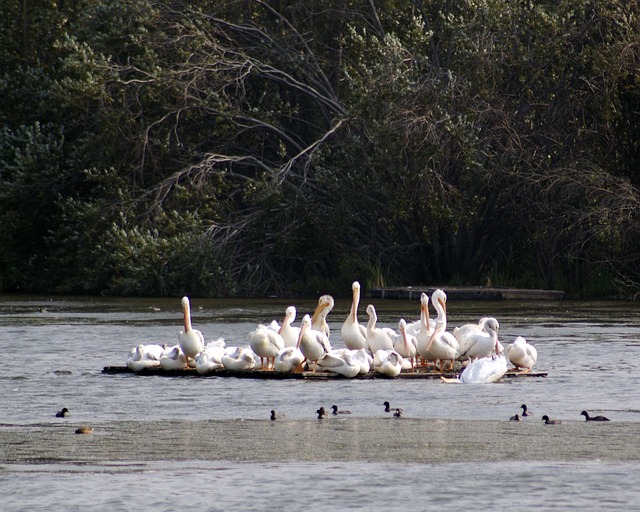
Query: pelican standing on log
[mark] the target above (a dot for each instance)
(319, 319)
(313, 344)
(354, 334)
(191, 340)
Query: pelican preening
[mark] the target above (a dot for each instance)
(319, 318)
(482, 342)
(521, 354)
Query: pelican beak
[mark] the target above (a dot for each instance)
(443, 303)
(356, 301)
(433, 336)
(319, 308)
(303, 328)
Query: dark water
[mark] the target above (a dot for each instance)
(54, 351)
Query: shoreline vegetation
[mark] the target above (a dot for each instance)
(255, 149)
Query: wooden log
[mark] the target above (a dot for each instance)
(466, 293)
(271, 375)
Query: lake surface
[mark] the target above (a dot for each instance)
(55, 349)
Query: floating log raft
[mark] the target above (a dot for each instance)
(466, 293)
(271, 375)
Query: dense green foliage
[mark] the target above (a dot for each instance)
(253, 147)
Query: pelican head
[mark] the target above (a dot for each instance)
(324, 307)
(441, 298)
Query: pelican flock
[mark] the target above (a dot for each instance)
(471, 351)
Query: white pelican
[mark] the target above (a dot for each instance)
(482, 343)
(365, 359)
(173, 358)
(465, 330)
(288, 360)
(353, 333)
(191, 340)
(266, 344)
(521, 354)
(289, 333)
(144, 356)
(313, 344)
(425, 329)
(477, 339)
(439, 301)
(238, 358)
(414, 327)
(378, 338)
(387, 362)
(406, 344)
(319, 318)
(444, 346)
(484, 370)
(341, 362)
(210, 357)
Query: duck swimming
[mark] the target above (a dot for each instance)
(336, 411)
(322, 413)
(387, 406)
(515, 418)
(525, 411)
(276, 416)
(548, 421)
(85, 429)
(593, 418)
(399, 413)
(63, 413)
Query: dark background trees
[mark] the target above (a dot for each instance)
(250, 147)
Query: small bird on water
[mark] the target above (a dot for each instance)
(399, 412)
(321, 413)
(276, 416)
(85, 429)
(594, 418)
(387, 406)
(548, 421)
(515, 418)
(525, 411)
(63, 413)
(336, 411)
